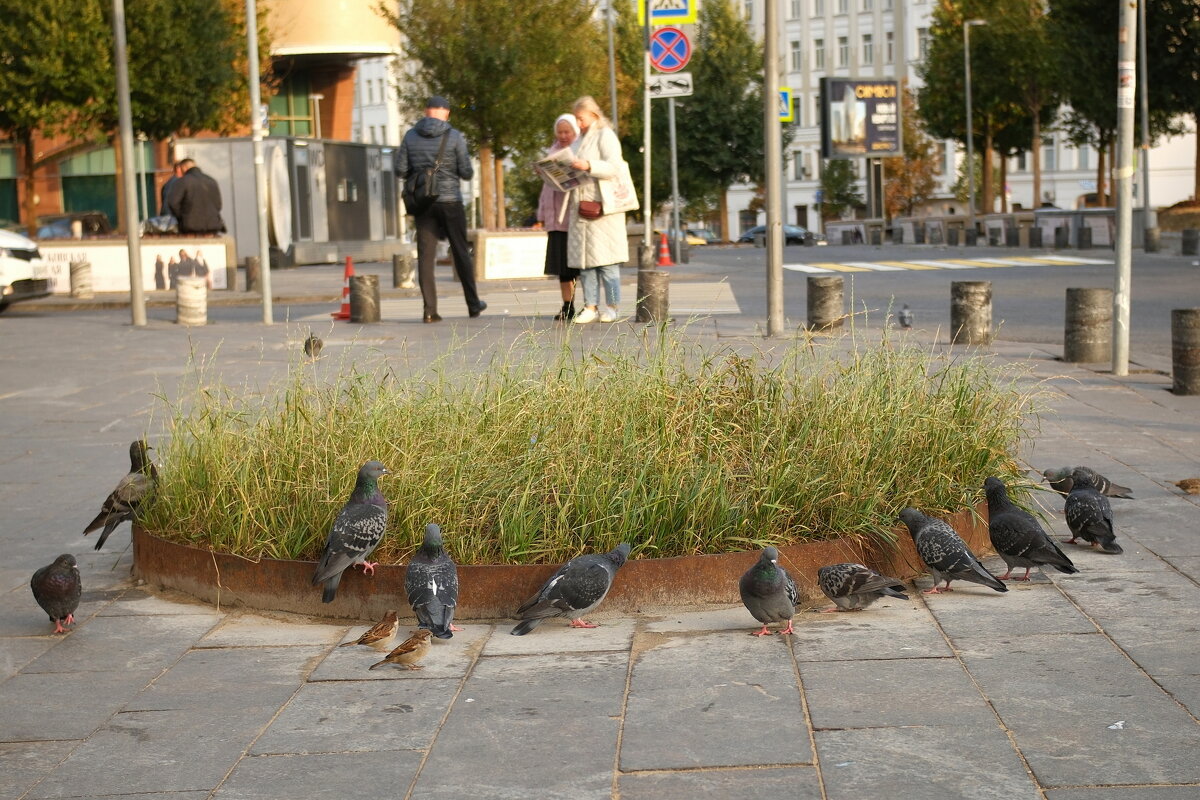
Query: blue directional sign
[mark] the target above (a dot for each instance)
(670, 49)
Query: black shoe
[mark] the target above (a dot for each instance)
(478, 311)
(567, 314)
(432, 318)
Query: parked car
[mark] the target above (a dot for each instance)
(58, 226)
(23, 273)
(793, 235)
(708, 236)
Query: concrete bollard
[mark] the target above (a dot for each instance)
(81, 280)
(919, 233)
(1062, 237)
(231, 276)
(253, 274)
(847, 237)
(951, 237)
(826, 302)
(970, 312)
(1151, 240)
(993, 236)
(402, 271)
(1185, 350)
(970, 237)
(1084, 237)
(653, 295)
(898, 234)
(1190, 241)
(876, 236)
(1012, 237)
(191, 301)
(1088, 334)
(364, 298)
(1035, 238)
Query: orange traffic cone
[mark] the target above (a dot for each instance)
(664, 253)
(344, 313)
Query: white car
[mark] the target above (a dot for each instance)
(23, 273)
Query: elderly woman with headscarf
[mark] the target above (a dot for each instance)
(552, 216)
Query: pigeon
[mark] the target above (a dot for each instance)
(122, 504)
(384, 629)
(1189, 485)
(1061, 480)
(945, 553)
(313, 345)
(431, 583)
(1018, 537)
(356, 531)
(57, 588)
(1089, 515)
(408, 652)
(905, 317)
(853, 587)
(768, 592)
(575, 589)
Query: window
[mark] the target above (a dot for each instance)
(866, 5)
(382, 92)
(794, 10)
(841, 6)
(1084, 157)
(923, 41)
(868, 50)
(1048, 162)
(818, 54)
(797, 104)
(797, 165)
(797, 57)
(748, 10)
(1022, 163)
(818, 8)
(843, 51)
(370, 93)
(887, 5)
(889, 48)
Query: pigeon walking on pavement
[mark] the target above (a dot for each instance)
(769, 593)
(1018, 537)
(57, 588)
(122, 503)
(313, 345)
(1089, 515)
(431, 583)
(380, 631)
(408, 652)
(853, 587)
(1061, 480)
(905, 317)
(356, 531)
(576, 588)
(945, 553)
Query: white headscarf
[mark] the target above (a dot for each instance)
(570, 118)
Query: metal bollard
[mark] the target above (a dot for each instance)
(402, 271)
(847, 237)
(81, 280)
(1035, 238)
(1062, 237)
(1012, 237)
(826, 303)
(253, 275)
(364, 298)
(876, 237)
(1185, 350)
(1190, 241)
(970, 312)
(970, 237)
(653, 295)
(191, 301)
(951, 237)
(1088, 334)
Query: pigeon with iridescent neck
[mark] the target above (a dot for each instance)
(356, 531)
(768, 592)
(431, 583)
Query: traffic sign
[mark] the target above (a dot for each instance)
(667, 12)
(678, 84)
(787, 113)
(670, 49)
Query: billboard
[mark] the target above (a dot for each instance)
(860, 119)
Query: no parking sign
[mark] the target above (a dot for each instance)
(670, 49)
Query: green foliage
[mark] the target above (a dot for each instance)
(839, 188)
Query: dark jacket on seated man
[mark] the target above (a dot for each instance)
(195, 200)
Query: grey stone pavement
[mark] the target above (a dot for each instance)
(1070, 687)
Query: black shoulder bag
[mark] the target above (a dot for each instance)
(420, 187)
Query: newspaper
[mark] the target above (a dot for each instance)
(557, 171)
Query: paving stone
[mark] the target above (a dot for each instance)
(898, 630)
(140, 603)
(1126, 793)
(40, 706)
(23, 764)
(345, 716)
(347, 776)
(123, 643)
(16, 652)
(1021, 611)
(714, 716)
(553, 636)
(799, 783)
(971, 763)
(1189, 566)
(229, 679)
(447, 658)
(250, 630)
(725, 618)
(522, 727)
(20, 614)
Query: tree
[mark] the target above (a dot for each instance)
(839, 188)
(1173, 37)
(911, 179)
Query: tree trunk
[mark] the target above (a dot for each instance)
(501, 210)
(486, 193)
(30, 199)
(1101, 172)
(118, 176)
(723, 211)
(1003, 184)
(1196, 160)
(1037, 161)
(989, 185)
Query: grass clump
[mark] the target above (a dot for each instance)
(543, 452)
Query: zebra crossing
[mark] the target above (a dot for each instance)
(824, 267)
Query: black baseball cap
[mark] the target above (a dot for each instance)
(437, 101)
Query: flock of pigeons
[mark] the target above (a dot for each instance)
(767, 590)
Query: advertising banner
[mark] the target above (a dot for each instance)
(860, 119)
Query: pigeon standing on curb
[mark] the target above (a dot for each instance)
(1018, 537)
(356, 531)
(313, 345)
(1089, 515)
(905, 317)
(768, 592)
(1062, 479)
(408, 652)
(57, 588)
(122, 503)
(853, 587)
(431, 583)
(945, 553)
(384, 629)
(576, 588)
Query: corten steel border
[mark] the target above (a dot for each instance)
(494, 592)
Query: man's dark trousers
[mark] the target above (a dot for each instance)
(449, 219)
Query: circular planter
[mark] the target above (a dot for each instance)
(495, 591)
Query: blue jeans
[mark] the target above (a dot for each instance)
(591, 279)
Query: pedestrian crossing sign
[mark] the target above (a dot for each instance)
(787, 112)
(667, 12)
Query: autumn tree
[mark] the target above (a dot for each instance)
(911, 179)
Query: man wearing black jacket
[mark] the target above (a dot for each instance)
(195, 200)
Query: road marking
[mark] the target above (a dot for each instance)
(838, 267)
(875, 266)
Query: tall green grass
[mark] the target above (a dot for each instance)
(543, 451)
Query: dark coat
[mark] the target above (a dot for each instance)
(419, 150)
(195, 200)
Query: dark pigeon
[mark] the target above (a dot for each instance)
(575, 589)
(122, 503)
(945, 553)
(1061, 481)
(57, 588)
(853, 587)
(905, 317)
(1089, 515)
(768, 592)
(356, 531)
(1018, 537)
(431, 583)
(313, 345)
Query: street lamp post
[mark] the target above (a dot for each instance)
(967, 25)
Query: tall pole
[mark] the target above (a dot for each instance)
(967, 25)
(1126, 87)
(1149, 215)
(260, 167)
(676, 233)
(137, 298)
(647, 206)
(612, 70)
(773, 148)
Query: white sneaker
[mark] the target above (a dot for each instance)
(609, 314)
(585, 316)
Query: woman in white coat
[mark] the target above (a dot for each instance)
(596, 247)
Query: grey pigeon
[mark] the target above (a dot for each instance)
(768, 592)
(853, 587)
(1018, 537)
(122, 503)
(945, 553)
(905, 317)
(57, 588)
(356, 531)
(313, 345)
(431, 583)
(575, 589)
(1061, 481)
(1089, 515)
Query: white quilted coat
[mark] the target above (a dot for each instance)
(596, 242)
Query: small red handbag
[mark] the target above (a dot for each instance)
(590, 209)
